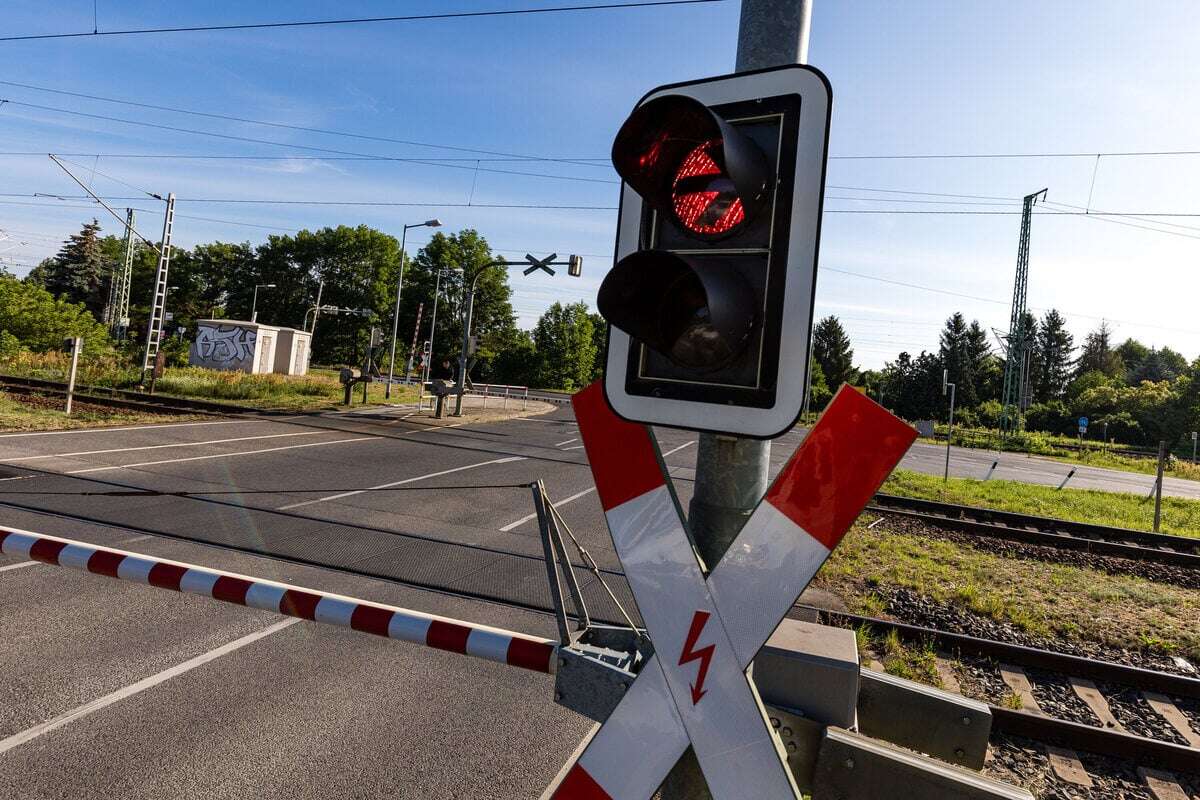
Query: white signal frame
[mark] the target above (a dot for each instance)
(808, 185)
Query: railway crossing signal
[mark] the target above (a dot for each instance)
(710, 302)
(707, 629)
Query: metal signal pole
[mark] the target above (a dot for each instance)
(731, 472)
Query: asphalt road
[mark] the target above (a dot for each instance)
(117, 690)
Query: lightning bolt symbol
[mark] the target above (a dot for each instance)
(703, 655)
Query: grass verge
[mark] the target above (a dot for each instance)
(44, 412)
(1179, 516)
(320, 388)
(1049, 600)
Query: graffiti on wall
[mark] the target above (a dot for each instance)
(223, 347)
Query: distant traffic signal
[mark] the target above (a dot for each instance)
(710, 301)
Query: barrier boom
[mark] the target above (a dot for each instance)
(442, 633)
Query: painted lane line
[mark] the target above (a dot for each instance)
(576, 447)
(17, 478)
(133, 428)
(160, 446)
(7, 567)
(559, 504)
(567, 441)
(16, 740)
(340, 495)
(677, 449)
(220, 455)
(547, 421)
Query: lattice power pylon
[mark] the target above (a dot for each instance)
(116, 313)
(1019, 337)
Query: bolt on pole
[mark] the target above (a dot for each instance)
(731, 472)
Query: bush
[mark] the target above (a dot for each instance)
(39, 323)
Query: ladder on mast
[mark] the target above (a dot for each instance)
(158, 306)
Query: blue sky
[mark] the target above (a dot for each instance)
(909, 78)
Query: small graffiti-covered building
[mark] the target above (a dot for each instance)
(249, 347)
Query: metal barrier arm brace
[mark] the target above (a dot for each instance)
(441, 633)
(707, 629)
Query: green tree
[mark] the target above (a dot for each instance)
(358, 265)
(38, 321)
(831, 349)
(460, 257)
(600, 340)
(1054, 346)
(819, 394)
(1132, 353)
(78, 272)
(1152, 368)
(565, 346)
(1098, 355)
(954, 352)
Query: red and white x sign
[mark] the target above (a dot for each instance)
(707, 629)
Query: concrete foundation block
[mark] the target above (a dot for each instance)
(944, 725)
(852, 766)
(811, 669)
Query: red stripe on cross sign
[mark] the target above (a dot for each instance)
(837, 470)
(623, 456)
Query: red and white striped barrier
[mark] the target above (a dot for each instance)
(442, 633)
(706, 630)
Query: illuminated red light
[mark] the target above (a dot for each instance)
(704, 198)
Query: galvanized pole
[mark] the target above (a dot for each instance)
(387, 391)
(731, 472)
(437, 292)
(466, 342)
(949, 433)
(1158, 482)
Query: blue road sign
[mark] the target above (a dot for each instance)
(1083, 422)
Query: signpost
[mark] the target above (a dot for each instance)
(1083, 423)
(1194, 447)
(707, 628)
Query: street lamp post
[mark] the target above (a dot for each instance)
(429, 223)
(947, 385)
(575, 264)
(254, 304)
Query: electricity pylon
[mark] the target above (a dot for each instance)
(1018, 340)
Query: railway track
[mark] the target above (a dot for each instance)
(1180, 551)
(123, 398)
(1073, 704)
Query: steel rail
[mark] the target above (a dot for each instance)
(1064, 663)
(1102, 741)
(1066, 534)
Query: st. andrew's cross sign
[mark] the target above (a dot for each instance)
(707, 629)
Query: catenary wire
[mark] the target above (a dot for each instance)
(357, 20)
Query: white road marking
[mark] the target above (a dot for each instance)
(134, 427)
(160, 446)
(677, 449)
(567, 441)
(559, 504)
(221, 455)
(18, 739)
(576, 447)
(17, 478)
(548, 421)
(401, 483)
(133, 539)
(7, 567)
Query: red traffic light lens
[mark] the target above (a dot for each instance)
(704, 198)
